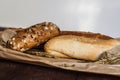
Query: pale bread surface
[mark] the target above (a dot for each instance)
(79, 47)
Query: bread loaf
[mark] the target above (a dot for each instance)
(79, 47)
(33, 36)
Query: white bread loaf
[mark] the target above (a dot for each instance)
(80, 47)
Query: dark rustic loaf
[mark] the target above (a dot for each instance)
(33, 36)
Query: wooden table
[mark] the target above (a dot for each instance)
(10, 70)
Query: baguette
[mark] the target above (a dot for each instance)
(33, 36)
(79, 47)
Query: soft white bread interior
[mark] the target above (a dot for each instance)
(80, 47)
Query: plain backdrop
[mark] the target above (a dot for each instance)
(101, 16)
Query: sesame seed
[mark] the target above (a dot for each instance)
(22, 49)
(29, 35)
(51, 28)
(24, 40)
(11, 42)
(13, 39)
(18, 45)
(46, 28)
(14, 47)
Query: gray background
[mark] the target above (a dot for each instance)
(101, 16)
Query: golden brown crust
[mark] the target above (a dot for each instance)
(33, 36)
(79, 47)
(86, 34)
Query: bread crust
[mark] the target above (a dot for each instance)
(33, 36)
(91, 35)
(86, 34)
(79, 47)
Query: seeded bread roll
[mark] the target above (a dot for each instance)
(33, 36)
